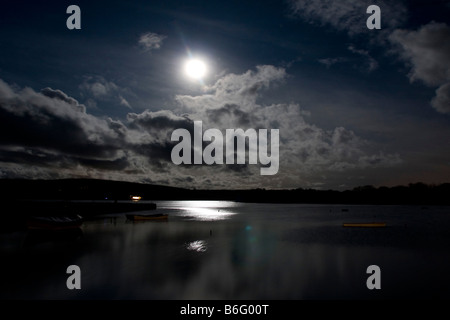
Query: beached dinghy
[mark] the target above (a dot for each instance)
(54, 223)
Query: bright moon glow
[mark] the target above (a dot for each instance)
(195, 69)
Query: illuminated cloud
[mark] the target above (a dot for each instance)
(427, 52)
(52, 131)
(151, 41)
(97, 88)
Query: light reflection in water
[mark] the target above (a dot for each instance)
(198, 246)
(202, 210)
(206, 214)
(205, 204)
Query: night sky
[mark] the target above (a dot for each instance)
(353, 106)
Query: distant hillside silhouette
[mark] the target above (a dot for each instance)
(91, 189)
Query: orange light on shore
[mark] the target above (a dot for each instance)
(136, 198)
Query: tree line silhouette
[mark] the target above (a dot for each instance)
(92, 189)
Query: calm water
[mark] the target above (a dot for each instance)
(228, 250)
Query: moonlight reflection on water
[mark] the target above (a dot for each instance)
(198, 245)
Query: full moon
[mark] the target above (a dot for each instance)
(195, 69)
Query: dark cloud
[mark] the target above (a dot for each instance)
(116, 164)
(253, 88)
(427, 52)
(32, 156)
(155, 130)
(441, 102)
(371, 63)
(118, 127)
(349, 15)
(52, 130)
(52, 121)
(156, 154)
(159, 120)
(97, 88)
(305, 149)
(58, 94)
(328, 62)
(230, 113)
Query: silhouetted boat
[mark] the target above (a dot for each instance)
(140, 217)
(366, 224)
(54, 223)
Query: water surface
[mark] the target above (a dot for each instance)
(230, 250)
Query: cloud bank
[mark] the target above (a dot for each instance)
(48, 134)
(427, 52)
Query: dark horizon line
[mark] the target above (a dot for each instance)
(100, 189)
(366, 186)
